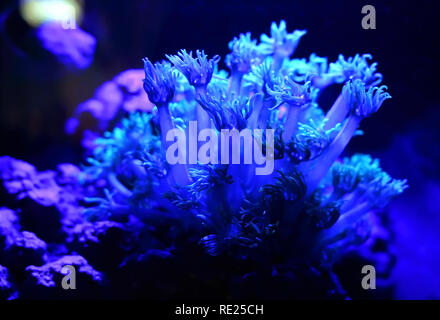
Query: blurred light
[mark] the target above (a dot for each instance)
(36, 12)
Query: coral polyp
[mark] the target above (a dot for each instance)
(153, 228)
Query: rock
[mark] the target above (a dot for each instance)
(45, 282)
(7, 290)
(48, 201)
(9, 227)
(24, 249)
(103, 243)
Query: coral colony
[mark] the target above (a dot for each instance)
(232, 186)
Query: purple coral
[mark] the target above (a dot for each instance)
(46, 279)
(113, 99)
(73, 48)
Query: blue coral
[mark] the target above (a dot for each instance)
(159, 82)
(169, 220)
(198, 70)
